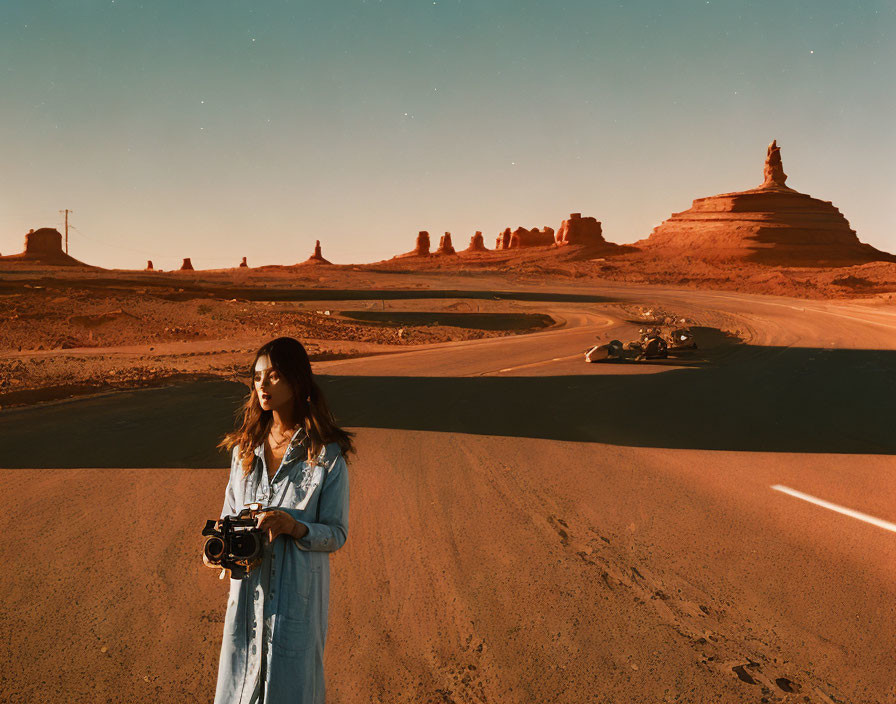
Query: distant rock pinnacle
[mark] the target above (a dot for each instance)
(773, 173)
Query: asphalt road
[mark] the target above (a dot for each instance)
(524, 527)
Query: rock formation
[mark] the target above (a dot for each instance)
(422, 246)
(243, 264)
(43, 242)
(187, 265)
(445, 246)
(521, 237)
(317, 256)
(771, 224)
(579, 230)
(44, 246)
(773, 173)
(149, 266)
(421, 249)
(503, 241)
(477, 244)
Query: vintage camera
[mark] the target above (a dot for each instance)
(236, 544)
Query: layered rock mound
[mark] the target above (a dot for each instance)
(44, 246)
(187, 265)
(770, 224)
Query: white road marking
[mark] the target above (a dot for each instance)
(536, 364)
(880, 523)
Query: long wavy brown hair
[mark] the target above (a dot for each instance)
(289, 358)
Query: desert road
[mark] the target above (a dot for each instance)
(524, 527)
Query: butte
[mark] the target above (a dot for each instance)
(44, 246)
(770, 224)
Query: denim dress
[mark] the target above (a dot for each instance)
(276, 620)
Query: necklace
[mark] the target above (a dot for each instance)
(279, 443)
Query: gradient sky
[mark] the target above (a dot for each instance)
(217, 129)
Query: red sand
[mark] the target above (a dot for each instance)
(556, 554)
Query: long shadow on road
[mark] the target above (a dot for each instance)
(781, 400)
(804, 400)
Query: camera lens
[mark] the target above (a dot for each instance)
(214, 549)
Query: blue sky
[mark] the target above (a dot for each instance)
(221, 129)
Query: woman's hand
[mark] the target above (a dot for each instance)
(277, 523)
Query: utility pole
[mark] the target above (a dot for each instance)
(66, 211)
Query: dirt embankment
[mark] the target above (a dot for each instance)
(540, 264)
(56, 343)
(42, 320)
(874, 279)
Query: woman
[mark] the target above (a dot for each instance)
(288, 455)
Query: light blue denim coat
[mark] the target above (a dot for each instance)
(279, 612)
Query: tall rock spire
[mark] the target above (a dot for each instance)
(773, 173)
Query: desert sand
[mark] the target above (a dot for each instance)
(564, 532)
